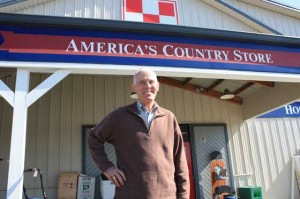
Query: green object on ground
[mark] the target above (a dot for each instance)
(250, 193)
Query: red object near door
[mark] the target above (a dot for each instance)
(188, 151)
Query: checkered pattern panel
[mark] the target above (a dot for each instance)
(152, 11)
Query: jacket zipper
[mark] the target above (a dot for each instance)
(148, 130)
(143, 122)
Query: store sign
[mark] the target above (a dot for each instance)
(101, 47)
(166, 51)
(291, 110)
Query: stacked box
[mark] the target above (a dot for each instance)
(67, 185)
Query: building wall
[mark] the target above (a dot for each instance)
(265, 147)
(54, 122)
(270, 99)
(193, 13)
(262, 147)
(54, 137)
(287, 25)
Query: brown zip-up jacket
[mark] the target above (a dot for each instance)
(153, 159)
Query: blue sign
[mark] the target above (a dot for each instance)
(74, 45)
(291, 110)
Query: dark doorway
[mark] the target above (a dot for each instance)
(205, 140)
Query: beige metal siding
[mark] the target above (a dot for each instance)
(264, 100)
(194, 13)
(264, 147)
(98, 9)
(259, 146)
(289, 26)
(54, 122)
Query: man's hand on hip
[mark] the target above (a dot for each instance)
(116, 176)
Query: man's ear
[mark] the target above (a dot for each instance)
(132, 87)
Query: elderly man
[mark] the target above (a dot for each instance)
(151, 161)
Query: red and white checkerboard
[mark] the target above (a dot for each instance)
(153, 11)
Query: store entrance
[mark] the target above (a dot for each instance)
(206, 140)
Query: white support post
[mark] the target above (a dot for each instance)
(21, 100)
(18, 137)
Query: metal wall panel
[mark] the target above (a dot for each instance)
(259, 146)
(194, 13)
(265, 150)
(287, 25)
(54, 122)
(286, 92)
(98, 9)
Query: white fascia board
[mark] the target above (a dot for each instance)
(106, 69)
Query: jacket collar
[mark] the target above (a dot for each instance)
(133, 108)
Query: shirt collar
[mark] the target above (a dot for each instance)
(140, 107)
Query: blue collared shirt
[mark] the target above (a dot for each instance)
(145, 114)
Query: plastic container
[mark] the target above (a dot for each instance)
(250, 193)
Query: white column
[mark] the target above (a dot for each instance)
(18, 137)
(21, 100)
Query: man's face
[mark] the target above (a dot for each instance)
(146, 86)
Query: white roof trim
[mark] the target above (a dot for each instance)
(275, 7)
(106, 69)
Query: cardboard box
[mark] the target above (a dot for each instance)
(86, 187)
(67, 185)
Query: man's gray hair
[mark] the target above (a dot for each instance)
(140, 70)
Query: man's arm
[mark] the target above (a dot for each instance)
(96, 146)
(97, 137)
